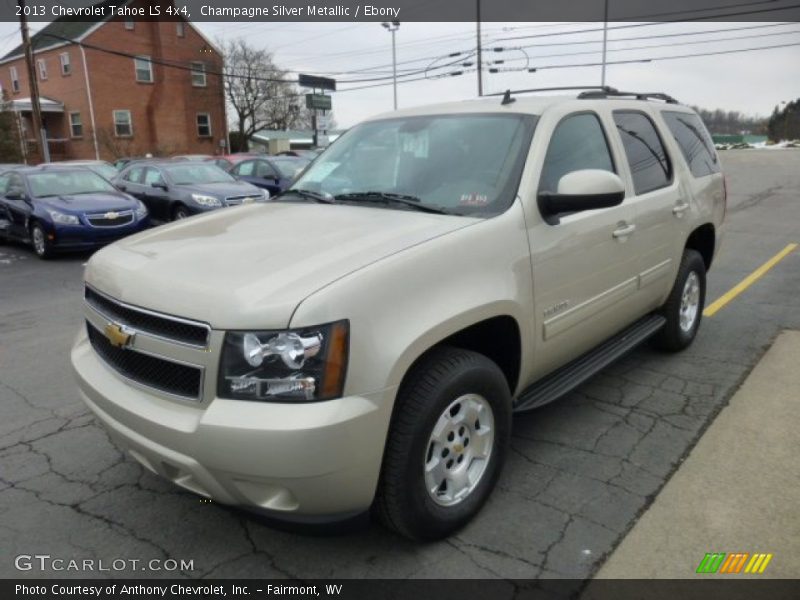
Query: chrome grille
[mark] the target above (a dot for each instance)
(110, 219)
(147, 370)
(174, 329)
(236, 200)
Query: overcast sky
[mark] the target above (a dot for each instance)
(750, 82)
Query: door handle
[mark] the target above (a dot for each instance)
(679, 209)
(624, 232)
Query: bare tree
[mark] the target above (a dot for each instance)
(257, 90)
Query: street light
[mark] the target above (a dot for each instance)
(392, 28)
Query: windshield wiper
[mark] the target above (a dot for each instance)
(308, 195)
(388, 197)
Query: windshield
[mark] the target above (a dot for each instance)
(197, 174)
(290, 167)
(67, 183)
(463, 164)
(104, 170)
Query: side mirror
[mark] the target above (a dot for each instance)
(16, 195)
(160, 186)
(587, 189)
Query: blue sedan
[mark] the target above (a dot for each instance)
(56, 209)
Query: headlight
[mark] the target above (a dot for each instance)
(208, 201)
(62, 219)
(300, 365)
(141, 211)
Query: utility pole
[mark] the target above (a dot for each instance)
(392, 28)
(33, 84)
(480, 54)
(605, 39)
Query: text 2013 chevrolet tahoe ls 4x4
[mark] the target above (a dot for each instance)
(362, 340)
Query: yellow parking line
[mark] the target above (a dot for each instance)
(720, 302)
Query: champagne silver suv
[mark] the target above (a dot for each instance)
(362, 340)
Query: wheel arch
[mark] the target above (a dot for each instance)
(703, 240)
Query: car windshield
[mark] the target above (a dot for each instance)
(68, 183)
(197, 174)
(104, 170)
(290, 167)
(461, 164)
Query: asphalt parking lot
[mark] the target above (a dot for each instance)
(582, 470)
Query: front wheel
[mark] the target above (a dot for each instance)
(41, 245)
(180, 212)
(684, 306)
(446, 446)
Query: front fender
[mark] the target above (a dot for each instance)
(401, 306)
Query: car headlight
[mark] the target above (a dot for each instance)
(62, 219)
(301, 365)
(209, 201)
(141, 211)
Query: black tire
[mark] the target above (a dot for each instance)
(673, 337)
(42, 249)
(180, 212)
(446, 374)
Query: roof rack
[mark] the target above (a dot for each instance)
(611, 92)
(589, 92)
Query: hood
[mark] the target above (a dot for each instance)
(89, 203)
(220, 190)
(250, 266)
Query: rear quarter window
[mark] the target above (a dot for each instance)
(694, 141)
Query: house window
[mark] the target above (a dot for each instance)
(144, 69)
(66, 66)
(203, 125)
(180, 29)
(198, 74)
(123, 127)
(129, 24)
(42, 65)
(14, 79)
(75, 124)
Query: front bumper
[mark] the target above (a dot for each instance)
(299, 462)
(83, 237)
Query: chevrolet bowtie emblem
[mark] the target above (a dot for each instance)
(111, 215)
(119, 335)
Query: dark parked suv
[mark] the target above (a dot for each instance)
(174, 190)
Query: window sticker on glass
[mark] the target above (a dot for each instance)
(415, 143)
(474, 199)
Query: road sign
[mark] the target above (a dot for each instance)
(317, 83)
(323, 122)
(318, 101)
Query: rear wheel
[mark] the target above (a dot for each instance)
(41, 245)
(684, 306)
(446, 446)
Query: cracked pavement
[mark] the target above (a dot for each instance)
(580, 471)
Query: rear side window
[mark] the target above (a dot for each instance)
(578, 142)
(650, 166)
(695, 143)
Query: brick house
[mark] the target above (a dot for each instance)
(112, 93)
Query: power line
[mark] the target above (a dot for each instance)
(659, 58)
(633, 25)
(670, 45)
